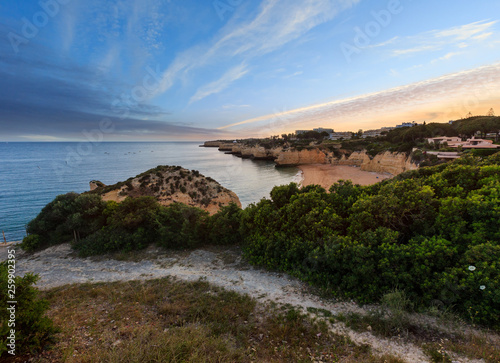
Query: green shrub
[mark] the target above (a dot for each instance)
(224, 226)
(31, 243)
(483, 152)
(418, 232)
(130, 225)
(181, 226)
(33, 329)
(65, 216)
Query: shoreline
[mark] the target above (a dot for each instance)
(326, 175)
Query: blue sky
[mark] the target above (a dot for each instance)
(196, 70)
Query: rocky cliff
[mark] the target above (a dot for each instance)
(296, 157)
(170, 184)
(386, 162)
(212, 143)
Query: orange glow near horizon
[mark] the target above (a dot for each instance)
(446, 98)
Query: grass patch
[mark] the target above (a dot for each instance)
(436, 343)
(169, 321)
(320, 312)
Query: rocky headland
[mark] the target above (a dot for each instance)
(170, 184)
(384, 162)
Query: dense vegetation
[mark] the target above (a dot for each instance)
(433, 233)
(98, 227)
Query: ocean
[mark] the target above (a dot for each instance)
(33, 173)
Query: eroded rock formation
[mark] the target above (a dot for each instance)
(386, 162)
(170, 184)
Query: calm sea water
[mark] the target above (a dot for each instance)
(32, 174)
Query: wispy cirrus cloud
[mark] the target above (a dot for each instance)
(484, 80)
(114, 30)
(220, 84)
(230, 106)
(447, 56)
(466, 31)
(277, 23)
(435, 40)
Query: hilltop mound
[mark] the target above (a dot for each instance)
(170, 184)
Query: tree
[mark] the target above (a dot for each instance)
(491, 112)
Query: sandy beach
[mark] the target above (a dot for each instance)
(326, 175)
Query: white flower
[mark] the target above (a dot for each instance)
(472, 268)
(482, 287)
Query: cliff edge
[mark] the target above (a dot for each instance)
(385, 162)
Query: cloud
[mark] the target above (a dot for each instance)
(417, 49)
(461, 36)
(483, 82)
(133, 28)
(466, 31)
(298, 73)
(226, 107)
(277, 23)
(42, 94)
(220, 84)
(447, 56)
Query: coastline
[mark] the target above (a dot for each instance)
(326, 175)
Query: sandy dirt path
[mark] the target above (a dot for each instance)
(58, 266)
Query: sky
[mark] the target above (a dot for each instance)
(163, 70)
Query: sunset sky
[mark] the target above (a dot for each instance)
(197, 70)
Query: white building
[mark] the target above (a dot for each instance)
(407, 124)
(340, 135)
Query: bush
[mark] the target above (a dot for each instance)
(224, 226)
(65, 216)
(31, 243)
(51, 223)
(130, 225)
(418, 232)
(483, 152)
(33, 329)
(180, 226)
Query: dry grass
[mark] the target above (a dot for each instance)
(168, 321)
(438, 344)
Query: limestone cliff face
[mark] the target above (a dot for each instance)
(387, 162)
(212, 143)
(296, 157)
(171, 184)
(260, 152)
(225, 146)
(250, 152)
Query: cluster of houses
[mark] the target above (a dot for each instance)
(456, 142)
(453, 142)
(346, 135)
